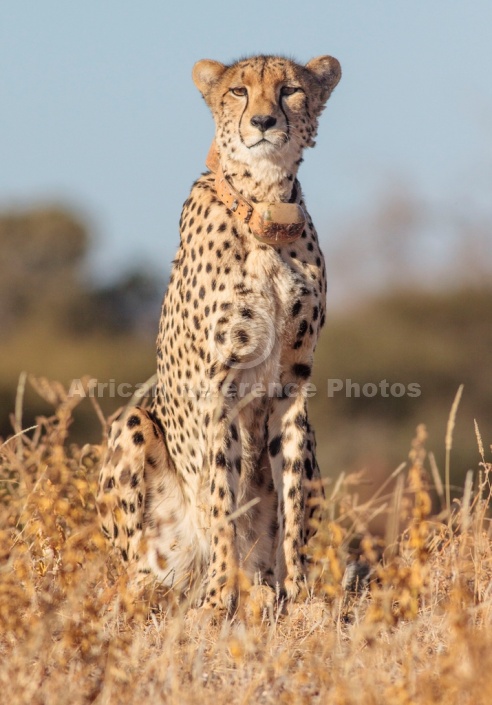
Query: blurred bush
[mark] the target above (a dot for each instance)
(54, 322)
(39, 272)
(434, 340)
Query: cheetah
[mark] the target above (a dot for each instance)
(215, 478)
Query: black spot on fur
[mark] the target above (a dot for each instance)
(275, 445)
(133, 421)
(300, 370)
(220, 459)
(300, 421)
(296, 466)
(296, 307)
(138, 438)
(308, 467)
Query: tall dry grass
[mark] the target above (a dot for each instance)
(70, 631)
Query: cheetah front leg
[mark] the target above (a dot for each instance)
(224, 459)
(314, 492)
(290, 458)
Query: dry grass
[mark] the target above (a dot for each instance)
(71, 633)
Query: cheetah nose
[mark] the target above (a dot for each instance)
(263, 122)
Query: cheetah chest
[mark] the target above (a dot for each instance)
(292, 285)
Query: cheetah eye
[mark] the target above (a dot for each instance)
(289, 90)
(239, 91)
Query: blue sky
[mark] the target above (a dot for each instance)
(98, 110)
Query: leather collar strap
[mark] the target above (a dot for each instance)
(271, 223)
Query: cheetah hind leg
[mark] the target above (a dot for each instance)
(139, 500)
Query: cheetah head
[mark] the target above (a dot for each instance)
(266, 107)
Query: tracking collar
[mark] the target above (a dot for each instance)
(271, 223)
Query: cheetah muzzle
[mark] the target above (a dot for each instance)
(219, 475)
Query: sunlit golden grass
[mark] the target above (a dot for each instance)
(71, 632)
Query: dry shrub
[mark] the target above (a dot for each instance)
(417, 630)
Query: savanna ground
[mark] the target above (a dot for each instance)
(70, 632)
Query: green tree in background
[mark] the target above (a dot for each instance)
(55, 323)
(43, 250)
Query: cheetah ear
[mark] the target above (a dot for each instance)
(328, 72)
(205, 74)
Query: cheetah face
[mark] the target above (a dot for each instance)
(266, 106)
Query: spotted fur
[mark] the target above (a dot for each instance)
(213, 477)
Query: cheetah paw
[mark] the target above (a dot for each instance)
(261, 603)
(292, 588)
(224, 597)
